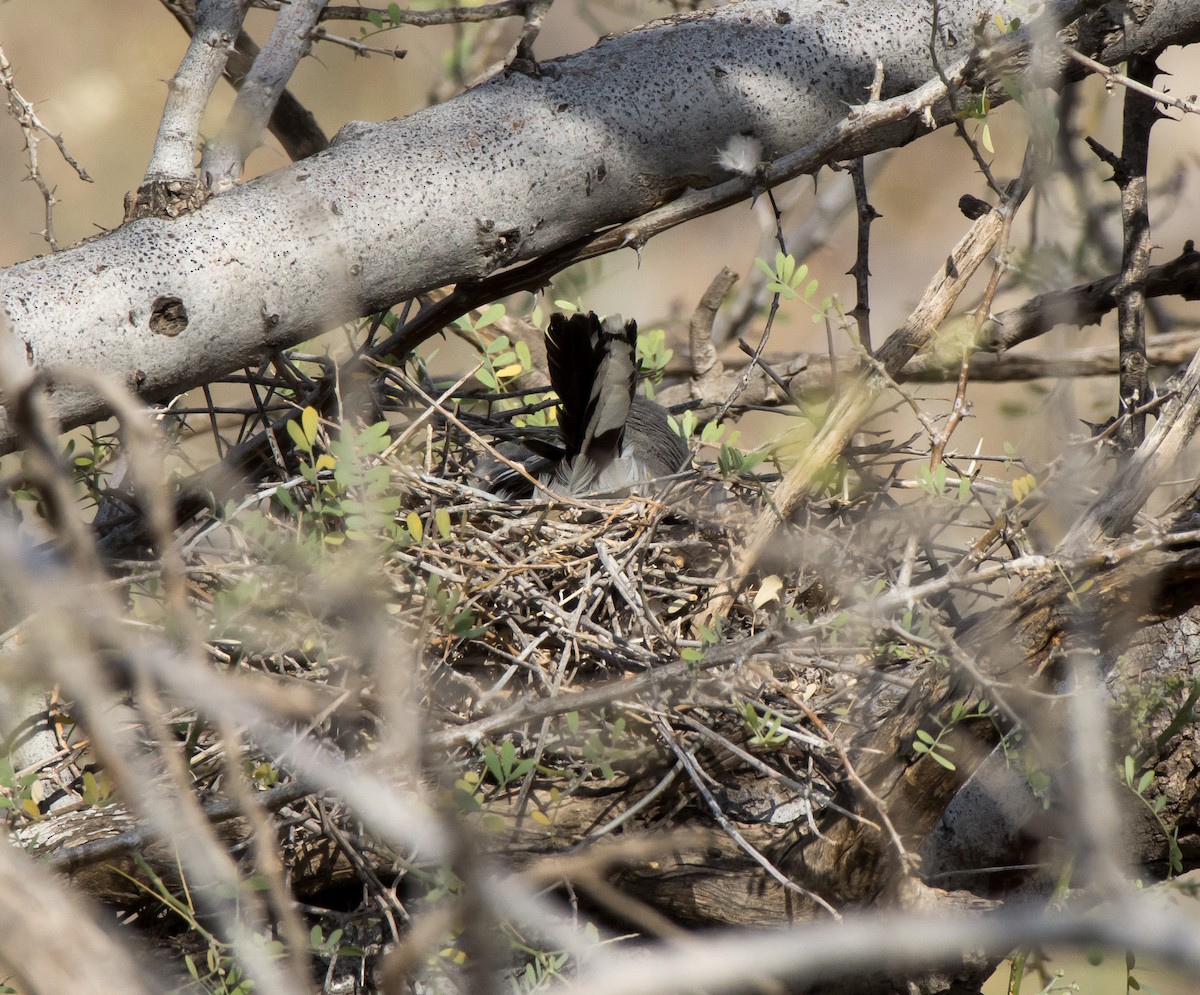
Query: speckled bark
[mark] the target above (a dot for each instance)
(507, 171)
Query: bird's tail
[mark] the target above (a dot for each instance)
(593, 369)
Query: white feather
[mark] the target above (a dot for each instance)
(741, 154)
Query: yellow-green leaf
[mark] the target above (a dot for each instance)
(415, 528)
(1023, 486)
(296, 433)
(441, 518)
(310, 423)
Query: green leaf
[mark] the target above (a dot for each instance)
(441, 518)
(730, 460)
(491, 760)
(374, 438)
(523, 356)
(949, 765)
(91, 789)
(490, 315)
(463, 626)
(465, 801)
(785, 266)
(284, 497)
(1144, 781)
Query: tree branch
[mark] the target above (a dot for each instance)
(1087, 304)
(444, 196)
(290, 41)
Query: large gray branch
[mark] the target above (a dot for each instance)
(512, 169)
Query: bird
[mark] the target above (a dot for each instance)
(612, 439)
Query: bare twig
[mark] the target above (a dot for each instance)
(698, 779)
(355, 46)
(959, 408)
(1132, 82)
(862, 269)
(430, 18)
(1113, 512)
(1139, 117)
(691, 204)
(846, 415)
(952, 95)
(31, 127)
(702, 354)
(1087, 304)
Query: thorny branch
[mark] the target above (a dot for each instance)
(1139, 117)
(32, 127)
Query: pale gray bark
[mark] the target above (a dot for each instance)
(508, 171)
(175, 148)
(290, 41)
